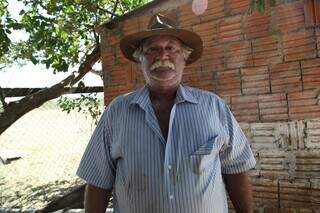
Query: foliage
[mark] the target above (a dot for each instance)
(59, 32)
(87, 104)
(260, 5)
(4, 39)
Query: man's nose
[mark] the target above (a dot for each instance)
(162, 54)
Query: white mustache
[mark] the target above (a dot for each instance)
(164, 63)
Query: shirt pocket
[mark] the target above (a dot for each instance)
(205, 156)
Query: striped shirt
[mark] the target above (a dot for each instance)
(148, 174)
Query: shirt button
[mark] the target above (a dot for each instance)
(169, 167)
(171, 197)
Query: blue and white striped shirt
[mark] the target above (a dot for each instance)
(128, 153)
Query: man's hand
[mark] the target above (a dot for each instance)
(240, 192)
(96, 199)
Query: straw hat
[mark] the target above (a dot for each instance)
(161, 25)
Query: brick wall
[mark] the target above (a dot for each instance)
(267, 68)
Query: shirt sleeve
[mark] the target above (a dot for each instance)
(236, 156)
(96, 166)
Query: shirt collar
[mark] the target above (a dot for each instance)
(183, 95)
(141, 98)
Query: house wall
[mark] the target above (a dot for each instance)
(266, 66)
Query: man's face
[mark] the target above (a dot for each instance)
(162, 62)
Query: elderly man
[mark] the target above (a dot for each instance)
(166, 147)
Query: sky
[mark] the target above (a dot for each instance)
(35, 76)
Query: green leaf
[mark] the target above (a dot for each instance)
(33, 60)
(272, 3)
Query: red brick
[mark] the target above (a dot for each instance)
(311, 74)
(295, 194)
(318, 39)
(233, 92)
(309, 94)
(213, 57)
(107, 56)
(246, 111)
(309, 11)
(257, 25)
(245, 108)
(255, 90)
(229, 89)
(228, 86)
(214, 11)
(274, 110)
(272, 97)
(113, 39)
(298, 39)
(229, 29)
(304, 104)
(119, 75)
(238, 54)
(305, 109)
(229, 74)
(239, 48)
(237, 6)
(247, 118)
(273, 104)
(244, 99)
(265, 61)
(198, 77)
(113, 91)
(273, 107)
(299, 45)
(290, 17)
(207, 31)
(285, 88)
(265, 191)
(187, 17)
(265, 44)
(255, 80)
(274, 117)
(285, 77)
(131, 26)
(317, 12)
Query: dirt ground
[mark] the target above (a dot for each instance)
(50, 144)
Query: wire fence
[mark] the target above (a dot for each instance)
(40, 154)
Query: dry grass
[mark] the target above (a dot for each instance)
(51, 144)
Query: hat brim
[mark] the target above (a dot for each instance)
(131, 42)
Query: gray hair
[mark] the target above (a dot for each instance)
(186, 52)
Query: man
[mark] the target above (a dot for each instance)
(166, 147)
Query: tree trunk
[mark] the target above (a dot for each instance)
(15, 110)
(73, 199)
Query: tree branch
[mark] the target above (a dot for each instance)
(107, 11)
(97, 72)
(17, 109)
(115, 8)
(2, 99)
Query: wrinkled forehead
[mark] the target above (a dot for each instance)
(161, 39)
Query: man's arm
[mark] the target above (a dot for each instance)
(240, 192)
(96, 199)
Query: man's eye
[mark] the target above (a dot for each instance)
(169, 48)
(152, 50)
